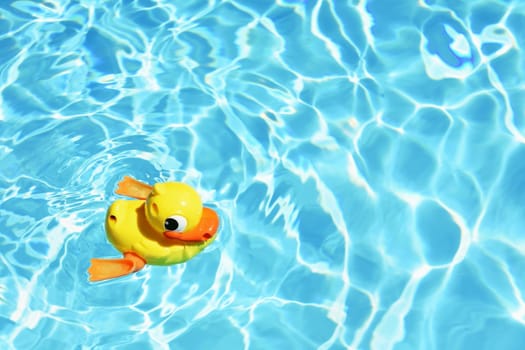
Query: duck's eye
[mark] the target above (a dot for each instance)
(175, 223)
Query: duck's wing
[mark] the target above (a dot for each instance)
(130, 187)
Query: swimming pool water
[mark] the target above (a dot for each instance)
(366, 159)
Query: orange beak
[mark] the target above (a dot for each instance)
(205, 230)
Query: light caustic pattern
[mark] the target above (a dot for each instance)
(366, 158)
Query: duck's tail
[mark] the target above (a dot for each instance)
(104, 269)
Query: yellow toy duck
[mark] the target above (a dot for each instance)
(165, 225)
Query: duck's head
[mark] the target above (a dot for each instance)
(175, 210)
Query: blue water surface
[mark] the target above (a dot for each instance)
(366, 158)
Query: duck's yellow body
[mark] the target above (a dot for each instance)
(133, 233)
(165, 225)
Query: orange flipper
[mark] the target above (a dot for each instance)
(130, 187)
(104, 269)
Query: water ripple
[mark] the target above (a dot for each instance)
(365, 161)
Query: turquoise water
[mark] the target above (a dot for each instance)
(366, 159)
